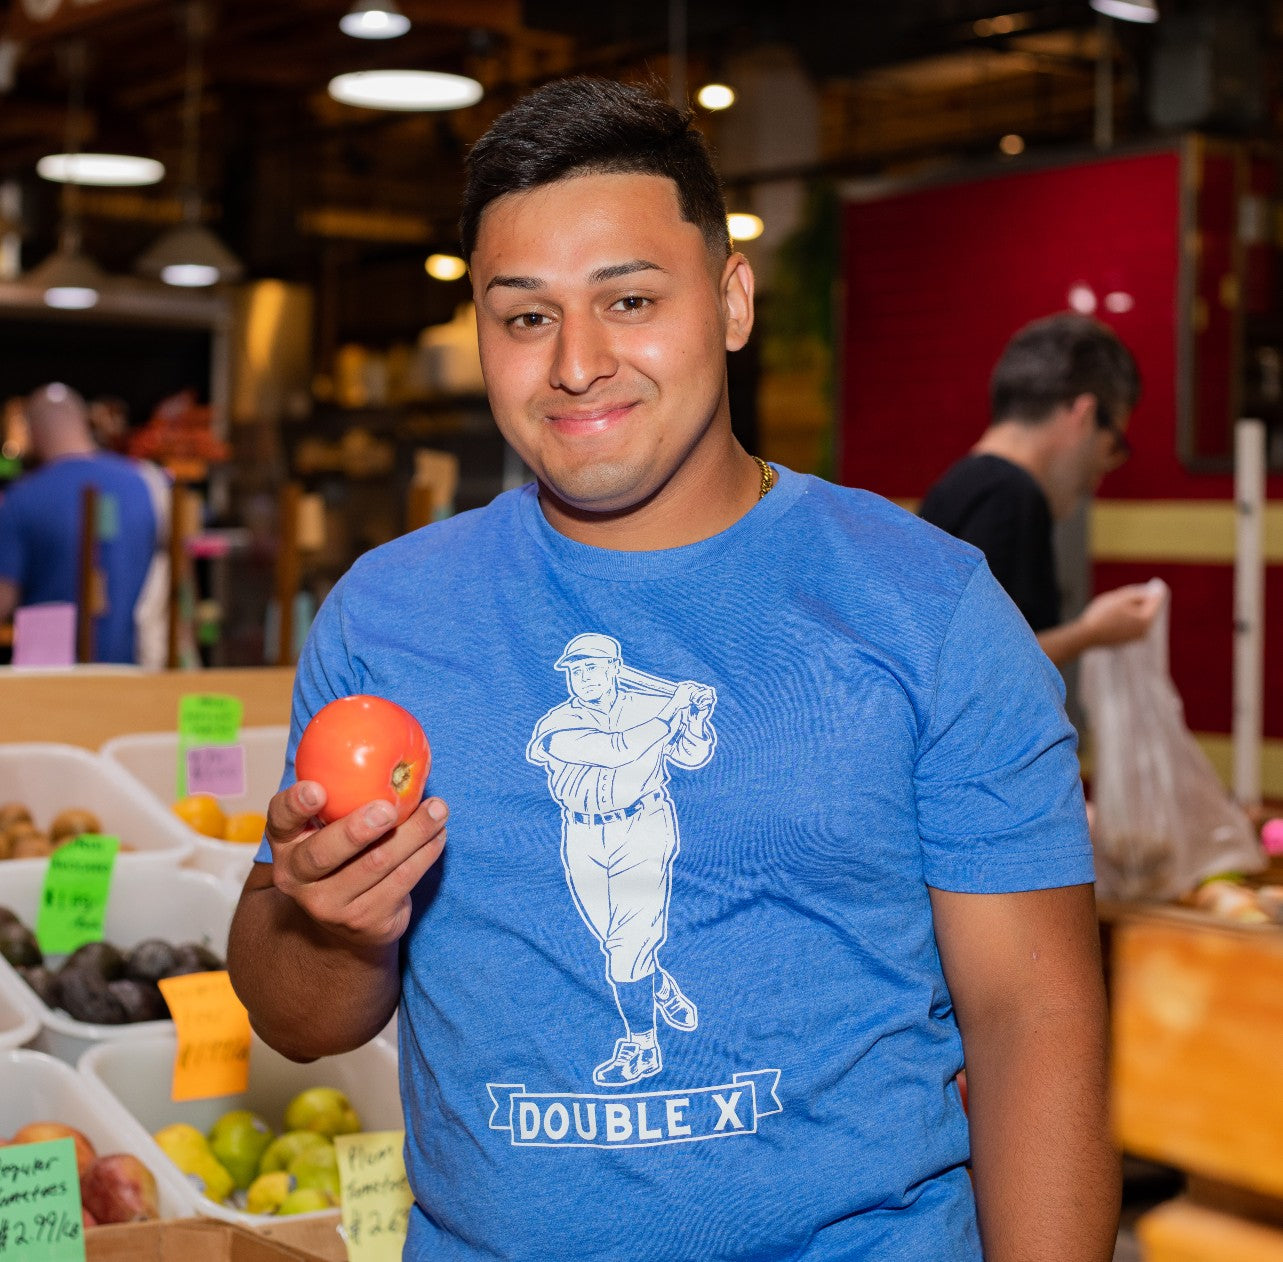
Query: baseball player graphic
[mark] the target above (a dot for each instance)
(607, 751)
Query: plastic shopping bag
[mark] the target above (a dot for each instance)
(1164, 821)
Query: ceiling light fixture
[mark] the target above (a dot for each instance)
(716, 96)
(190, 256)
(405, 90)
(70, 280)
(445, 267)
(103, 170)
(1012, 144)
(374, 19)
(743, 226)
(1127, 10)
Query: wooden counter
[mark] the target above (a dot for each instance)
(1197, 1017)
(89, 706)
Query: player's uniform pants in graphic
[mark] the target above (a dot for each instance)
(619, 867)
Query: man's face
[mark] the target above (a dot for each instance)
(604, 323)
(1105, 449)
(592, 679)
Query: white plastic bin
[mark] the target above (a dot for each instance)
(48, 778)
(146, 902)
(19, 1019)
(38, 1088)
(151, 759)
(139, 1076)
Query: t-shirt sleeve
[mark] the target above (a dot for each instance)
(325, 672)
(1000, 802)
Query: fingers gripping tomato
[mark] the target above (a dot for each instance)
(362, 749)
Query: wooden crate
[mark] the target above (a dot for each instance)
(1198, 1047)
(1183, 1232)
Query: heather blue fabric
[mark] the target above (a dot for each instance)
(871, 716)
(40, 540)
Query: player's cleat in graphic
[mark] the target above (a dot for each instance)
(630, 1063)
(673, 1006)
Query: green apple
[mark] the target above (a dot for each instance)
(325, 1110)
(305, 1201)
(238, 1139)
(317, 1168)
(284, 1148)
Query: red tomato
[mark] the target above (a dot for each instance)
(362, 749)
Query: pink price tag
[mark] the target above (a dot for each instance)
(44, 635)
(216, 769)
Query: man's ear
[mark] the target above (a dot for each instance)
(1082, 414)
(737, 300)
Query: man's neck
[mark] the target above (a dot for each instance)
(1027, 446)
(68, 447)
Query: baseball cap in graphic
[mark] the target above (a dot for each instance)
(590, 644)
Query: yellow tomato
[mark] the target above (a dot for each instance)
(202, 812)
(247, 827)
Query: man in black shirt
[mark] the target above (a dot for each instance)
(1061, 396)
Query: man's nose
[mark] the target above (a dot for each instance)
(584, 354)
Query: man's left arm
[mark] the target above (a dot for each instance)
(1025, 974)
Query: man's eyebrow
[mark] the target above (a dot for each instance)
(613, 272)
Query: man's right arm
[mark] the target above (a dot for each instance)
(1115, 617)
(313, 948)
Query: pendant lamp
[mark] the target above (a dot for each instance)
(374, 19)
(1127, 10)
(190, 255)
(68, 278)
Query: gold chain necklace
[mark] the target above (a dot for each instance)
(768, 477)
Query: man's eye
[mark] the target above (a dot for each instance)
(528, 320)
(633, 302)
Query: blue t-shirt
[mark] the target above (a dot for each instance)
(40, 540)
(862, 714)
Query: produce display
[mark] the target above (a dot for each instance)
(99, 983)
(244, 1164)
(361, 749)
(22, 838)
(204, 813)
(114, 1188)
(1232, 899)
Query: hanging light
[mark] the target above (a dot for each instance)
(1127, 10)
(716, 96)
(743, 226)
(104, 170)
(374, 19)
(405, 90)
(190, 255)
(71, 281)
(445, 267)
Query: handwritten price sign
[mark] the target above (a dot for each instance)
(376, 1195)
(204, 719)
(216, 769)
(40, 1219)
(73, 899)
(213, 1030)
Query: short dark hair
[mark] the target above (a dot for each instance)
(1052, 361)
(586, 126)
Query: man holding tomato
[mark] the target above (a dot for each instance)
(885, 867)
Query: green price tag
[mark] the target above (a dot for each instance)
(73, 900)
(205, 718)
(40, 1218)
(107, 527)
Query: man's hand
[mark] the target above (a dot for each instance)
(353, 877)
(1120, 616)
(1115, 617)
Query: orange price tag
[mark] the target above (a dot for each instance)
(213, 1036)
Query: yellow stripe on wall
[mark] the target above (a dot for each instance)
(1220, 752)
(1199, 531)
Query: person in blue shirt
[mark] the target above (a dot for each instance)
(883, 867)
(40, 524)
